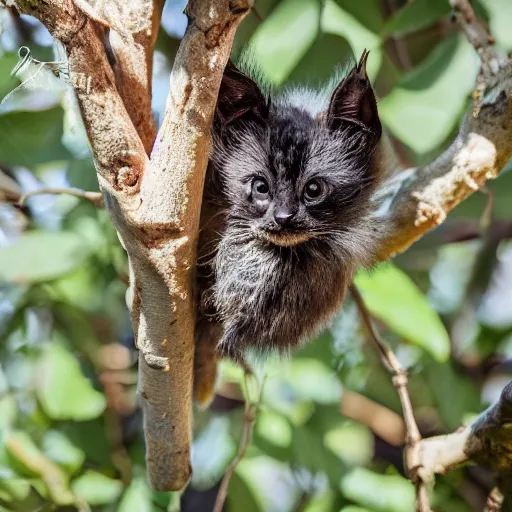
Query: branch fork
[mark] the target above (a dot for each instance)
(151, 184)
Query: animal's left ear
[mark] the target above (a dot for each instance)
(353, 102)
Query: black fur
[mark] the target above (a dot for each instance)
(274, 267)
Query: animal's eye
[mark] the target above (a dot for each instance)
(313, 190)
(260, 189)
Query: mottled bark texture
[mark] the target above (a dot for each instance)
(152, 191)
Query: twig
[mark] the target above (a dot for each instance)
(36, 462)
(303, 502)
(251, 409)
(486, 216)
(478, 36)
(257, 14)
(401, 50)
(385, 423)
(483, 42)
(494, 501)
(400, 382)
(95, 197)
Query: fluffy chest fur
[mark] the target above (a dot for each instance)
(272, 299)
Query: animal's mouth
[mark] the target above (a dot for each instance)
(284, 238)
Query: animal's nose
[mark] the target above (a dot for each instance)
(282, 216)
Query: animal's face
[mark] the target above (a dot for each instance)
(290, 176)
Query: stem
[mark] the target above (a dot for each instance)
(400, 382)
(251, 409)
(95, 197)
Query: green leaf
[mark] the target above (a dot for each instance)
(89, 436)
(8, 411)
(500, 21)
(391, 296)
(275, 428)
(319, 62)
(18, 488)
(31, 138)
(209, 465)
(414, 16)
(454, 395)
(41, 256)
(284, 37)
(310, 452)
(313, 380)
(64, 393)
(7, 63)
(137, 498)
(424, 108)
(62, 451)
(82, 174)
(248, 27)
(28, 459)
(336, 20)
(382, 493)
(96, 488)
(352, 442)
(240, 496)
(368, 12)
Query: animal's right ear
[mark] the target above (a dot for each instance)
(239, 98)
(353, 103)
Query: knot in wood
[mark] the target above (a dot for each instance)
(127, 177)
(400, 379)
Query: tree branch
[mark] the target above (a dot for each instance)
(494, 501)
(487, 441)
(154, 204)
(418, 200)
(478, 36)
(400, 382)
(133, 65)
(95, 197)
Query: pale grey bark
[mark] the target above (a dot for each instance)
(155, 201)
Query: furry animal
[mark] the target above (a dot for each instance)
(287, 215)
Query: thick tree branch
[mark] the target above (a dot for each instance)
(154, 204)
(132, 56)
(419, 199)
(422, 197)
(487, 441)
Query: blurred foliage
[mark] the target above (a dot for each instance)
(70, 431)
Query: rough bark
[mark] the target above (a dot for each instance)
(419, 199)
(154, 202)
(488, 441)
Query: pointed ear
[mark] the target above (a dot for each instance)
(353, 102)
(239, 97)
